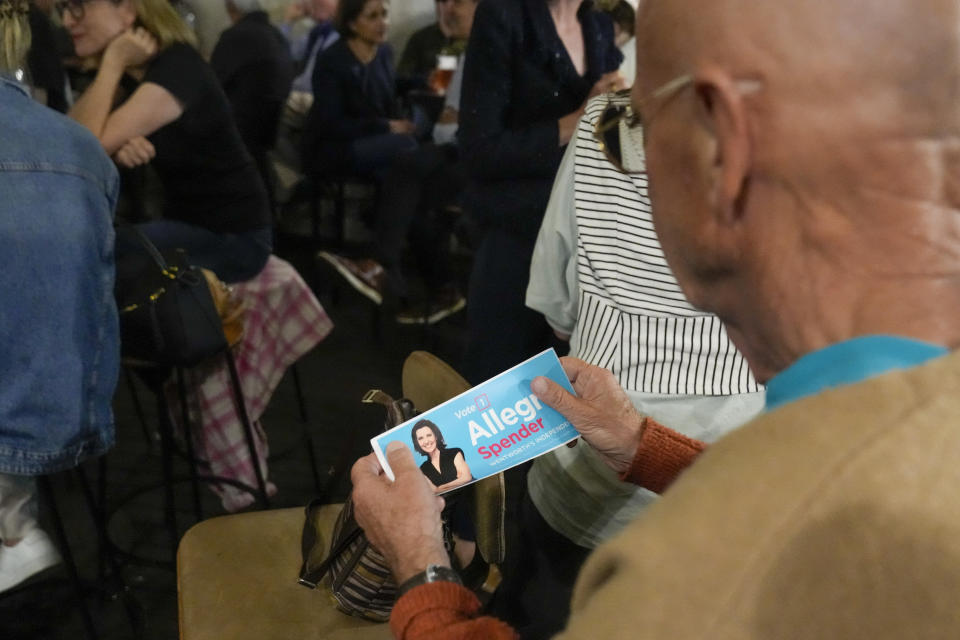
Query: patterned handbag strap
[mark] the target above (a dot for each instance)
(398, 411)
(312, 577)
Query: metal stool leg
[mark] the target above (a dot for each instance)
(305, 427)
(340, 211)
(247, 427)
(101, 513)
(166, 455)
(315, 210)
(138, 408)
(301, 403)
(119, 587)
(188, 439)
(43, 482)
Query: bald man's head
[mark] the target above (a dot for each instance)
(857, 67)
(813, 137)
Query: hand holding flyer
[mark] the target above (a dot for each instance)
(488, 429)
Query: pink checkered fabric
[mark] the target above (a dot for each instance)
(283, 321)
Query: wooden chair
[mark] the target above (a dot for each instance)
(237, 575)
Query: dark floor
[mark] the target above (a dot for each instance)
(361, 353)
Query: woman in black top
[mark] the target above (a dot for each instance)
(446, 468)
(531, 65)
(176, 115)
(355, 125)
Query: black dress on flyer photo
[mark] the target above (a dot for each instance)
(448, 471)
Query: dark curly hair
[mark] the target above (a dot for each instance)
(441, 445)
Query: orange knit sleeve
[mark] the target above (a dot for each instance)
(663, 454)
(444, 611)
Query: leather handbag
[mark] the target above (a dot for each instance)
(167, 314)
(360, 580)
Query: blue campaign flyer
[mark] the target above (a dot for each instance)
(488, 429)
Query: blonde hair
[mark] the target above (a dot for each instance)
(163, 22)
(14, 34)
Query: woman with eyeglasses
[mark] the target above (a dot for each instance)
(154, 99)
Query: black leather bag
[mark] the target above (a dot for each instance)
(167, 314)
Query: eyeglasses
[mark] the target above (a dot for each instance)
(75, 7)
(619, 130)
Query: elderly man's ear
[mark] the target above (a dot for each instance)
(722, 109)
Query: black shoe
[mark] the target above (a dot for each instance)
(366, 276)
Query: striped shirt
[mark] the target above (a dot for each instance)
(630, 315)
(599, 274)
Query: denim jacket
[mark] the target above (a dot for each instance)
(59, 345)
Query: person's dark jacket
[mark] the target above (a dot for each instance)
(253, 64)
(518, 81)
(351, 100)
(420, 53)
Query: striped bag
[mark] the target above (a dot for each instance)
(359, 577)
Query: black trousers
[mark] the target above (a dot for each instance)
(501, 330)
(415, 190)
(539, 572)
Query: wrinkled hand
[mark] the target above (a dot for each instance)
(402, 126)
(608, 83)
(601, 411)
(131, 48)
(401, 518)
(135, 152)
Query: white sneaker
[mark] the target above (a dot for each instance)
(34, 553)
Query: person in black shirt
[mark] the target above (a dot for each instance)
(420, 53)
(446, 468)
(255, 69)
(531, 65)
(355, 125)
(176, 115)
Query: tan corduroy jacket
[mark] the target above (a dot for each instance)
(833, 517)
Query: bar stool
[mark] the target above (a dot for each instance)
(110, 584)
(168, 449)
(336, 189)
(283, 321)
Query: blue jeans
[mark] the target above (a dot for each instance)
(234, 257)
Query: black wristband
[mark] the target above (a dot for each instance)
(433, 573)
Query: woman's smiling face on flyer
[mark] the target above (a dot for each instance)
(426, 440)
